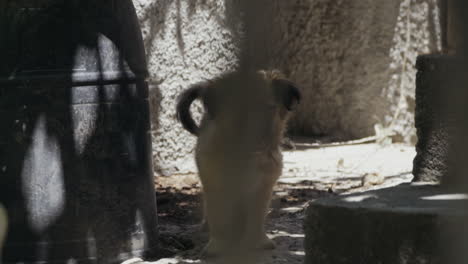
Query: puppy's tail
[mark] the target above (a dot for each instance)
(185, 100)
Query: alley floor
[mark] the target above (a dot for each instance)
(309, 173)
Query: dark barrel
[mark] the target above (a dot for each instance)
(440, 119)
(75, 155)
(432, 84)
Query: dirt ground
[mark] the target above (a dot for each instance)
(309, 173)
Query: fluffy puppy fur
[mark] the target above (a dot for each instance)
(237, 153)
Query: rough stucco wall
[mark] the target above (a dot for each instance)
(417, 32)
(186, 41)
(354, 59)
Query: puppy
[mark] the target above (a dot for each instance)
(237, 153)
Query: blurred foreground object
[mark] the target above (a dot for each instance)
(454, 233)
(3, 227)
(75, 163)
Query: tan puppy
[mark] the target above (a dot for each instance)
(237, 153)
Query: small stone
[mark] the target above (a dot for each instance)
(370, 179)
(340, 163)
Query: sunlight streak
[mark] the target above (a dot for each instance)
(446, 197)
(360, 198)
(42, 178)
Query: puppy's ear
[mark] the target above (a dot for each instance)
(287, 92)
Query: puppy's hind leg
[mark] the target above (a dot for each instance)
(220, 215)
(257, 205)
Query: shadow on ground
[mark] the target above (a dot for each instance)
(180, 214)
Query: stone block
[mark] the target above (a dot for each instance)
(401, 224)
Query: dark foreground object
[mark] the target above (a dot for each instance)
(398, 225)
(75, 163)
(438, 98)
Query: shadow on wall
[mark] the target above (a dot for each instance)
(156, 14)
(75, 161)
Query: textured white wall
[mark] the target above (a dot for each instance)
(417, 32)
(186, 41)
(353, 58)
